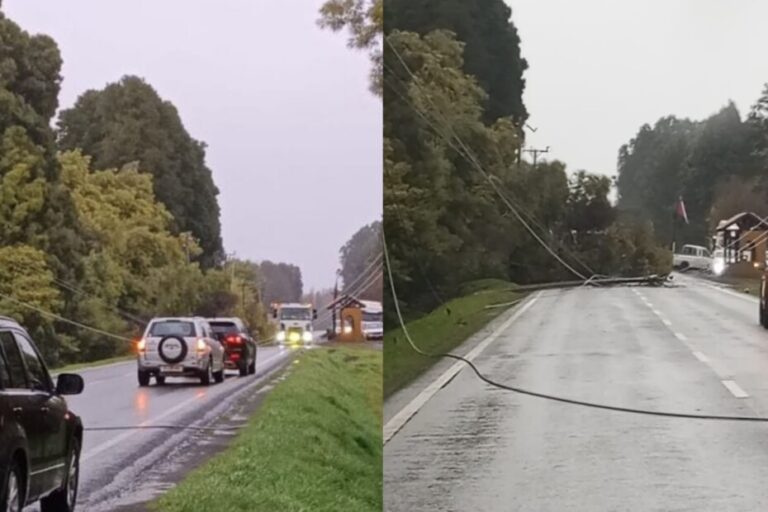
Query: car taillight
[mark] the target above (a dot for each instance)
(201, 345)
(141, 345)
(235, 340)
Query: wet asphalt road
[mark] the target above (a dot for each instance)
(691, 348)
(114, 464)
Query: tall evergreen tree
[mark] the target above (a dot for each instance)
(128, 123)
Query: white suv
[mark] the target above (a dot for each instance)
(180, 347)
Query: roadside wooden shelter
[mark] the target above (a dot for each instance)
(349, 311)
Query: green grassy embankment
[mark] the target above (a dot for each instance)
(442, 330)
(315, 444)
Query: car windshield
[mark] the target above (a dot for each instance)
(172, 328)
(295, 314)
(223, 327)
(372, 317)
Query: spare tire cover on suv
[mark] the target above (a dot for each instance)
(172, 349)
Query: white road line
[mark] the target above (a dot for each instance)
(397, 422)
(682, 337)
(701, 357)
(666, 322)
(122, 437)
(734, 389)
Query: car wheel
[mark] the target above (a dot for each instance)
(763, 316)
(252, 366)
(12, 491)
(242, 367)
(65, 498)
(219, 375)
(160, 379)
(207, 376)
(143, 378)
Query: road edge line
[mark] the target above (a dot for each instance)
(398, 421)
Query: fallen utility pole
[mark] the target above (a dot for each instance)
(652, 280)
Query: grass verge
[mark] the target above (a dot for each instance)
(750, 285)
(442, 330)
(82, 366)
(314, 445)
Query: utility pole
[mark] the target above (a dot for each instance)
(535, 153)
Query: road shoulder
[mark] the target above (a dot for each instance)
(400, 399)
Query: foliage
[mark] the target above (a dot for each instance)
(457, 200)
(28, 279)
(492, 53)
(365, 21)
(85, 237)
(441, 330)
(280, 282)
(359, 262)
(690, 159)
(127, 123)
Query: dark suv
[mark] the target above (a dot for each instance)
(40, 438)
(239, 346)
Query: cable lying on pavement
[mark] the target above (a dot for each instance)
(554, 398)
(161, 427)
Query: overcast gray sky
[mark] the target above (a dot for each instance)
(599, 69)
(294, 137)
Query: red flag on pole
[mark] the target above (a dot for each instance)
(681, 209)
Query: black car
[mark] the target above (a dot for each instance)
(239, 345)
(40, 438)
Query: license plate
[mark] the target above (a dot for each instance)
(172, 368)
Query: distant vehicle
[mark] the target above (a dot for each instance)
(373, 320)
(692, 257)
(40, 438)
(240, 348)
(180, 347)
(294, 322)
(718, 262)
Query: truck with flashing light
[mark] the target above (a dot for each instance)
(373, 320)
(294, 322)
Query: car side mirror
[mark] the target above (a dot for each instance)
(69, 384)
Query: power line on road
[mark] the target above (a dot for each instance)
(546, 396)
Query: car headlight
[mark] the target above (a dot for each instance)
(348, 329)
(718, 266)
(294, 337)
(280, 336)
(307, 336)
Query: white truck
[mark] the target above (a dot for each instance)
(294, 322)
(692, 257)
(373, 320)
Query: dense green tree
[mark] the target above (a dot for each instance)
(736, 195)
(280, 282)
(688, 159)
(459, 206)
(128, 123)
(492, 51)
(36, 209)
(652, 171)
(589, 208)
(27, 289)
(360, 258)
(364, 19)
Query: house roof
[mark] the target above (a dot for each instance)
(744, 221)
(345, 301)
